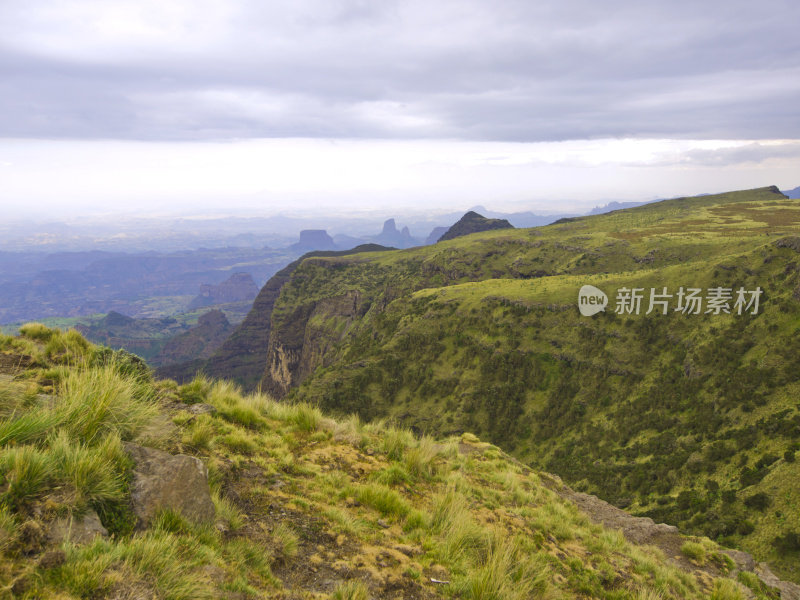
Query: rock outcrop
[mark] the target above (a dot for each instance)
(166, 481)
(77, 530)
(472, 222)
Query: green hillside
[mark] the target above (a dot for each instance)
(690, 418)
(297, 505)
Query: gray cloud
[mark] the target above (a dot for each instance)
(479, 70)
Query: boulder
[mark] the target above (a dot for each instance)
(166, 481)
(78, 530)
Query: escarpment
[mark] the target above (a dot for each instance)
(309, 333)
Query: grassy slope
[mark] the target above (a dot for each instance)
(307, 507)
(683, 417)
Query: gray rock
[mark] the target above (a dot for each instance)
(81, 530)
(744, 562)
(789, 591)
(201, 409)
(165, 481)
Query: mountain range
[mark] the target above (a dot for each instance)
(687, 416)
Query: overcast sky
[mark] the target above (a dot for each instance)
(540, 104)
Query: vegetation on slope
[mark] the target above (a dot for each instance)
(306, 506)
(692, 419)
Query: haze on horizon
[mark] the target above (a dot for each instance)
(344, 106)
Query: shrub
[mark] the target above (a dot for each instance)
(788, 542)
(759, 501)
(788, 456)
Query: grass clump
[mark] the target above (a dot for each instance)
(286, 542)
(99, 401)
(395, 441)
(420, 459)
(97, 473)
(37, 331)
(351, 590)
(26, 472)
(383, 499)
(726, 589)
(305, 417)
(694, 551)
(200, 435)
(196, 391)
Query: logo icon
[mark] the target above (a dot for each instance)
(591, 300)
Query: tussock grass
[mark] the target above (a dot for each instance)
(726, 589)
(227, 511)
(383, 499)
(37, 331)
(694, 551)
(395, 441)
(420, 459)
(239, 441)
(227, 398)
(305, 417)
(196, 391)
(351, 590)
(505, 573)
(27, 472)
(97, 473)
(200, 435)
(99, 401)
(28, 427)
(69, 348)
(286, 542)
(392, 475)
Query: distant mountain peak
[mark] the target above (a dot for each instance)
(389, 227)
(473, 222)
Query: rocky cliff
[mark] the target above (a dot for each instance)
(243, 356)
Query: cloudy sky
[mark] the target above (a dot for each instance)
(388, 104)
